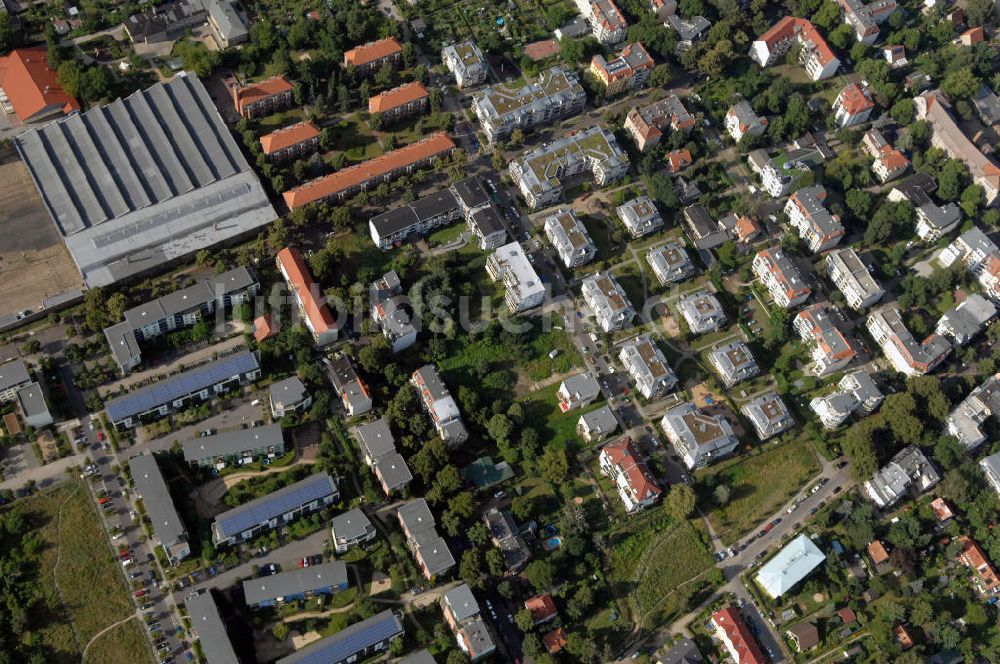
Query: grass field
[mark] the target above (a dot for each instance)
(541, 408)
(77, 564)
(759, 485)
(355, 139)
(675, 558)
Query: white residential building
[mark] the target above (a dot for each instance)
(781, 277)
(648, 367)
(768, 414)
(466, 63)
(820, 230)
(636, 485)
(734, 362)
(597, 424)
(981, 258)
(670, 263)
(741, 120)
(697, 437)
(577, 391)
(966, 421)
(991, 470)
(962, 323)
(539, 174)
(903, 351)
(814, 54)
(933, 220)
(865, 19)
(606, 20)
(850, 276)
(640, 216)
(829, 348)
(510, 266)
(569, 237)
(852, 106)
(908, 471)
(608, 302)
(502, 108)
(856, 392)
(440, 405)
(702, 312)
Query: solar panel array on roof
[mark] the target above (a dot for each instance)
(349, 641)
(181, 385)
(243, 518)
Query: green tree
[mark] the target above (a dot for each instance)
(903, 111)
(375, 121)
(973, 199)
(554, 465)
(524, 621)
(960, 83)
(94, 311)
(660, 76)
(541, 574)
(679, 502)
(471, 569)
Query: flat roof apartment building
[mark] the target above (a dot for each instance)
(640, 216)
(768, 414)
(697, 437)
(647, 365)
(13, 376)
(297, 584)
(647, 124)
(466, 63)
(502, 108)
(523, 289)
(853, 279)
(237, 447)
(539, 174)
(440, 405)
(350, 529)
(607, 22)
(670, 263)
(569, 237)
(734, 362)
(702, 312)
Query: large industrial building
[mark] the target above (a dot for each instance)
(143, 181)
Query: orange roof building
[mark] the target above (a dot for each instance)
(542, 608)
(972, 36)
(264, 328)
(747, 229)
(369, 57)
(942, 510)
(877, 552)
(853, 105)
(291, 141)
(630, 70)
(555, 640)
(635, 484)
(972, 556)
(338, 186)
(902, 637)
(402, 101)
(679, 160)
(31, 87)
(816, 56)
(311, 304)
(260, 99)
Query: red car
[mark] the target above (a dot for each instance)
(139, 593)
(103, 501)
(100, 436)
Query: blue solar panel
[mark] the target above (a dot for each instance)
(349, 641)
(256, 512)
(195, 380)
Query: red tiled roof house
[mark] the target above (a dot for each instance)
(400, 102)
(369, 58)
(297, 140)
(736, 636)
(30, 89)
(316, 314)
(259, 99)
(633, 480)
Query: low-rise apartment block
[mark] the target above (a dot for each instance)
(934, 107)
(292, 142)
(689, 30)
(702, 312)
(577, 391)
(933, 220)
(647, 124)
(440, 405)
(740, 643)
(983, 573)
(781, 277)
(908, 472)
(705, 232)
(981, 258)
(606, 20)
(852, 106)
(991, 470)
(350, 529)
(629, 71)
(276, 509)
(309, 298)
(780, 174)
(428, 547)
(648, 367)
(569, 237)
(640, 216)
(13, 376)
(353, 393)
(510, 266)
(539, 174)
(963, 323)
(368, 58)
(829, 347)
(966, 421)
(734, 362)
(697, 437)
(768, 414)
(400, 102)
(820, 230)
(297, 584)
(389, 313)
(852, 278)
(856, 392)
(354, 643)
(390, 166)
(466, 63)
(865, 19)
(741, 120)
(635, 483)
(461, 612)
(255, 100)
(237, 447)
(167, 526)
(670, 263)
(903, 351)
(814, 53)
(597, 424)
(889, 162)
(502, 108)
(288, 396)
(608, 302)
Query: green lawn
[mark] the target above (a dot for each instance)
(600, 233)
(120, 645)
(353, 137)
(630, 278)
(759, 484)
(677, 556)
(447, 234)
(541, 408)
